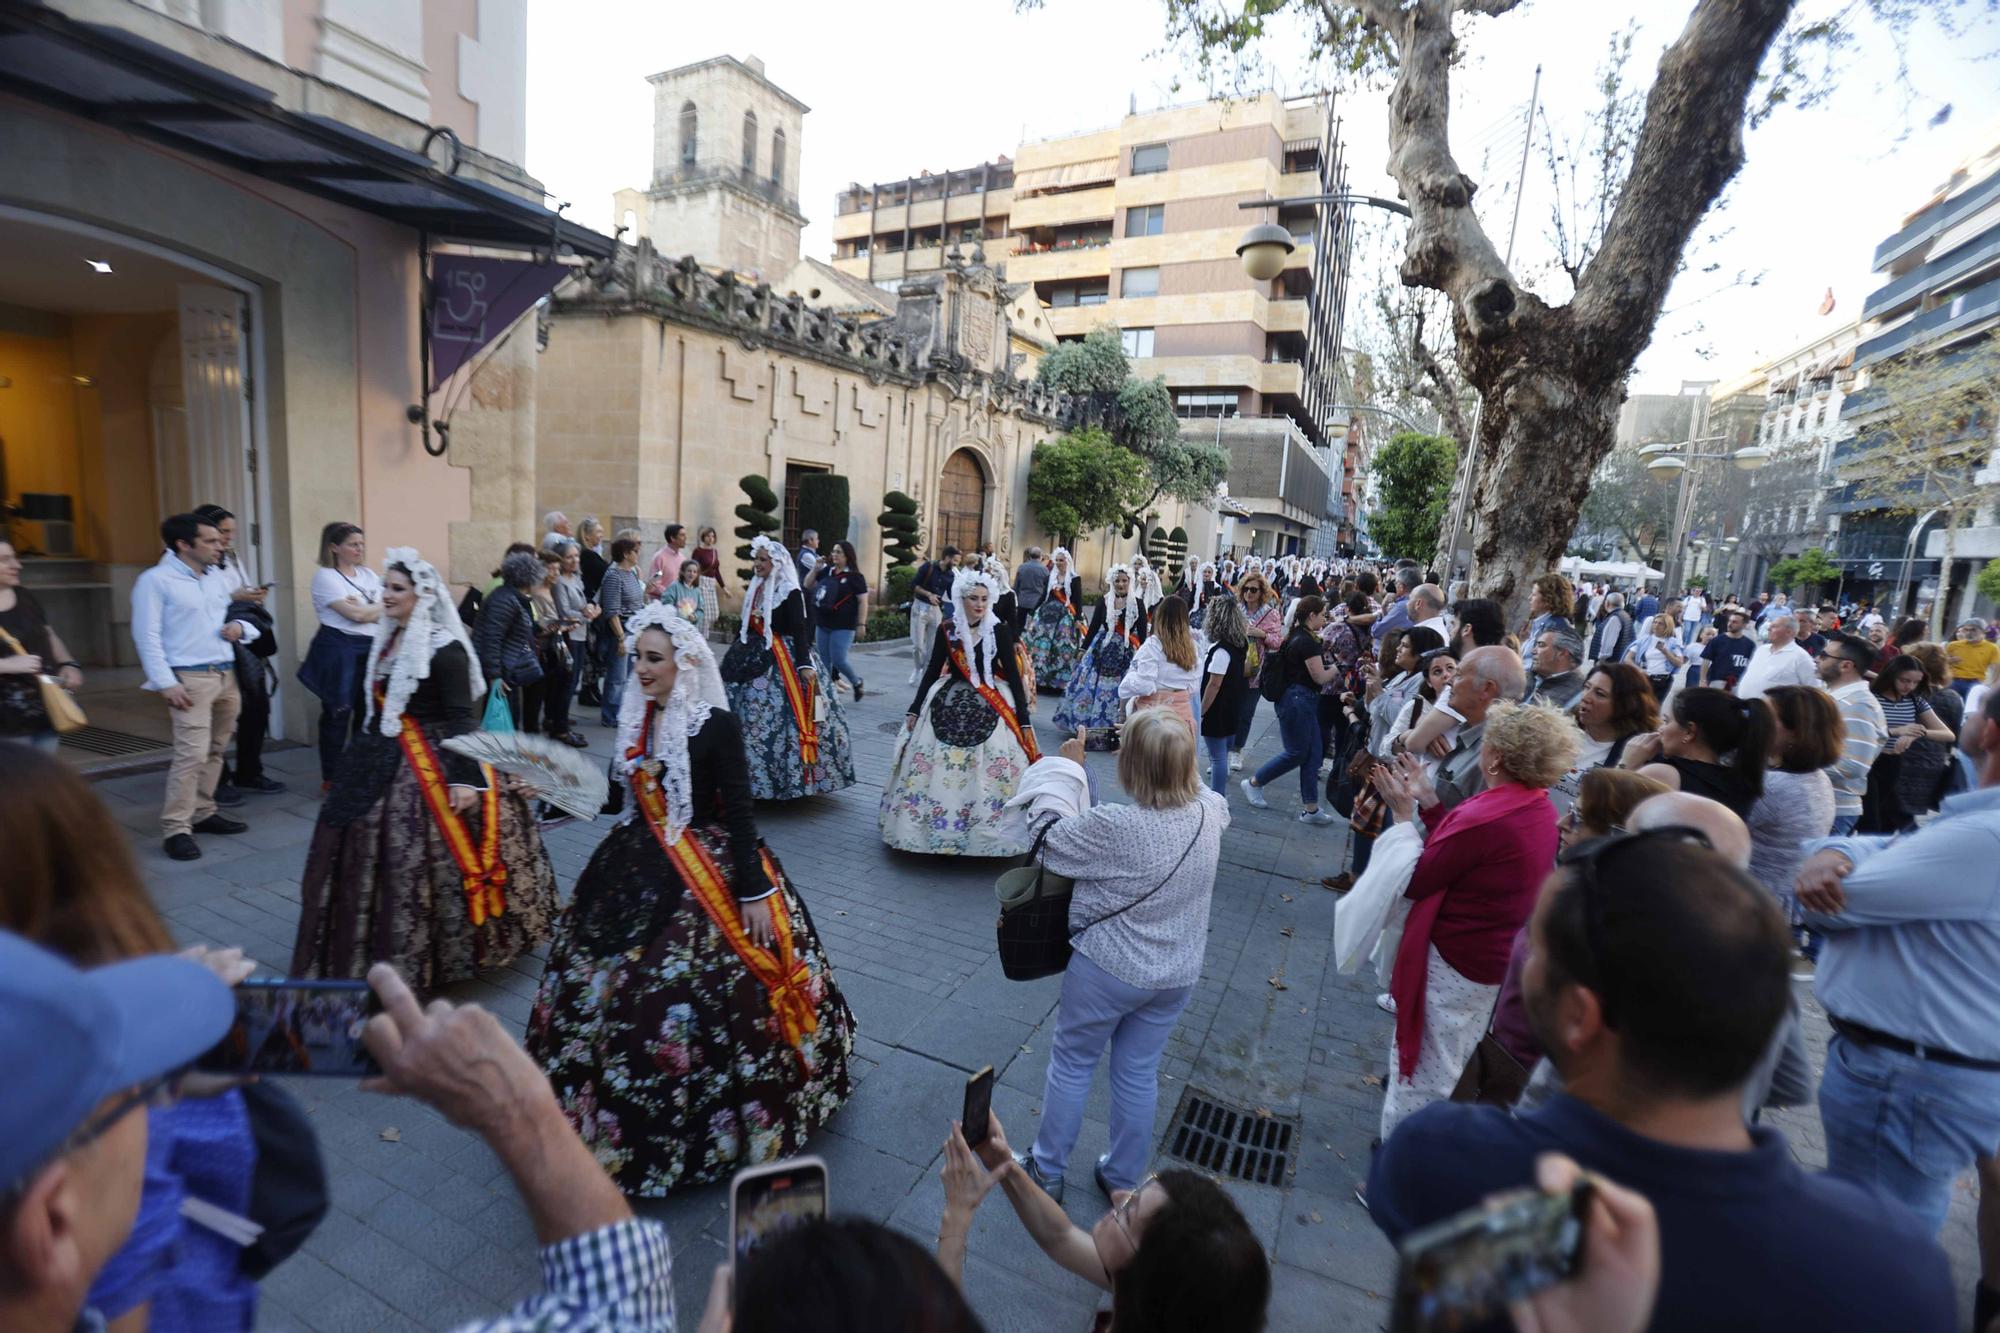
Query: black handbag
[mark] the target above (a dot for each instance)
(1033, 931)
(288, 1192)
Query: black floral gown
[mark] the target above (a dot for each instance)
(664, 1048)
(381, 883)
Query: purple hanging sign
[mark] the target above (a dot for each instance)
(474, 300)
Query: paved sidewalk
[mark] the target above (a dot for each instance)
(426, 1231)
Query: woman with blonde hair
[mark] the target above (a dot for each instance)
(1162, 674)
(1144, 874)
(1659, 655)
(1263, 636)
(1470, 894)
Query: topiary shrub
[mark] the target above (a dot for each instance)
(1177, 541)
(888, 625)
(896, 585)
(823, 506)
(902, 529)
(760, 518)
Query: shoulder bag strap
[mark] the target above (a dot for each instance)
(1199, 828)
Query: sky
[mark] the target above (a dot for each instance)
(899, 86)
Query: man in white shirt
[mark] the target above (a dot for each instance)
(1426, 609)
(1870, 618)
(189, 658)
(1778, 661)
(1694, 614)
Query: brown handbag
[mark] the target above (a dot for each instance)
(1492, 1077)
(64, 714)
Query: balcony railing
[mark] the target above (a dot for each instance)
(1026, 247)
(1981, 250)
(722, 173)
(1963, 309)
(1935, 219)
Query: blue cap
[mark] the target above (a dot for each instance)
(71, 1038)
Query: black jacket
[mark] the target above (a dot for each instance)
(505, 638)
(1008, 668)
(591, 569)
(442, 704)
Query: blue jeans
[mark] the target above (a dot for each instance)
(1218, 763)
(1298, 727)
(1963, 688)
(1249, 715)
(1904, 1126)
(616, 664)
(1098, 1008)
(833, 645)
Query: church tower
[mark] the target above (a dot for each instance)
(726, 149)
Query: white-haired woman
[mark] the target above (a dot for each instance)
(967, 738)
(421, 858)
(1117, 627)
(687, 1018)
(794, 729)
(1055, 628)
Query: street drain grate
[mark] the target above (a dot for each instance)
(1232, 1140)
(112, 744)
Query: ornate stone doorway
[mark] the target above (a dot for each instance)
(961, 519)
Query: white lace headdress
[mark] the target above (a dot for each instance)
(1204, 570)
(1062, 568)
(1146, 585)
(433, 623)
(766, 595)
(996, 569)
(1119, 614)
(697, 693)
(981, 637)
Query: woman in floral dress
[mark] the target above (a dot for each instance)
(421, 858)
(688, 1018)
(1055, 628)
(1090, 704)
(794, 729)
(967, 739)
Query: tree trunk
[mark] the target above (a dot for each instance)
(1944, 574)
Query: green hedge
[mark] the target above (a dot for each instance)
(888, 625)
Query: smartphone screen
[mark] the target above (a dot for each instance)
(978, 1108)
(764, 1200)
(1463, 1271)
(297, 1027)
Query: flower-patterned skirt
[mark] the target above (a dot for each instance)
(946, 791)
(665, 1055)
(1091, 698)
(778, 772)
(1055, 641)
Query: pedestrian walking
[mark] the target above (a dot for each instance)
(794, 728)
(29, 650)
(840, 594)
(930, 590)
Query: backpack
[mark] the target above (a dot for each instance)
(1271, 684)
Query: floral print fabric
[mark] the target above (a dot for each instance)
(666, 1057)
(947, 799)
(1091, 698)
(1055, 642)
(771, 733)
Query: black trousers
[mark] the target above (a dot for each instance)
(253, 723)
(544, 705)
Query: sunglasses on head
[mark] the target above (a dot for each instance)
(1586, 858)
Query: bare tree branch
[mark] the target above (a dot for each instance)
(1689, 147)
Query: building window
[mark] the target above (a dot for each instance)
(1092, 292)
(1204, 403)
(1137, 342)
(1138, 282)
(777, 159)
(1149, 158)
(749, 143)
(1146, 220)
(688, 135)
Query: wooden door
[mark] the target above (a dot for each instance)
(961, 518)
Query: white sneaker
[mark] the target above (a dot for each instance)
(1236, 761)
(913, 678)
(1386, 1002)
(1317, 818)
(1252, 795)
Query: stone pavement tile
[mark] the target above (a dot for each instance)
(1006, 1301)
(406, 1283)
(988, 988)
(1262, 1206)
(967, 1037)
(1304, 1301)
(1333, 1236)
(863, 1181)
(883, 1009)
(901, 1108)
(997, 1236)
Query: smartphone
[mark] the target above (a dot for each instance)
(764, 1200)
(268, 586)
(976, 1123)
(284, 1026)
(1462, 1272)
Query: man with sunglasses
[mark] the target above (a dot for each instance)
(1843, 668)
(85, 1053)
(1659, 972)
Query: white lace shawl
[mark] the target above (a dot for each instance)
(1203, 571)
(433, 623)
(996, 569)
(1146, 585)
(1118, 615)
(697, 693)
(1062, 568)
(766, 595)
(983, 636)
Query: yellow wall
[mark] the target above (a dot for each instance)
(38, 415)
(115, 433)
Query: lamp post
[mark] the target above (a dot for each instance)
(1909, 558)
(1670, 459)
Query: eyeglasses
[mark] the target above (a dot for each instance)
(1122, 1212)
(1585, 858)
(153, 1095)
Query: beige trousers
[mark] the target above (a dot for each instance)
(201, 734)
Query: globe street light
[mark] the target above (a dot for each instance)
(1264, 250)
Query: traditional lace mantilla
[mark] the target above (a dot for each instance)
(433, 623)
(696, 694)
(980, 664)
(1121, 613)
(766, 595)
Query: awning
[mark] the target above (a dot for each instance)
(110, 75)
(1068, 175)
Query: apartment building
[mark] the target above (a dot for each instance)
(1790, 406)
(893, 230)
(1941, 302)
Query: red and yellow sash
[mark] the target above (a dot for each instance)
(795, 694)
(994, 700)
(1062, 596)
(778, 969)
(480, 868)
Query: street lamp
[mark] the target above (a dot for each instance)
(1266, 246)
(1667, 461)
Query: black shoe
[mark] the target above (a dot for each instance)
(260, 786)
(220, 824)
(227, 795)
(1097, 1174)
(858, 691)
(573, 738)
(183, 847)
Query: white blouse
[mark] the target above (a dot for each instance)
(1151, 671)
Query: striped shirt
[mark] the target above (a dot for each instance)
(621, 593)
(1867, 731)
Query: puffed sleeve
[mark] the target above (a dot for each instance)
(719, 746)
(940, 647)
(1008, 668)
(451, 677)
